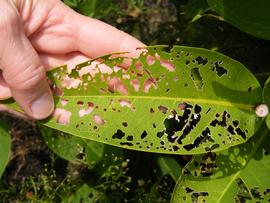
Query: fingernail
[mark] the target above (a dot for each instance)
(43, 106)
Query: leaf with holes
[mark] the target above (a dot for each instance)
(5, 143)
(250, 16)
(239, 174)
(64, 145)
(74, 149)
(179, 101)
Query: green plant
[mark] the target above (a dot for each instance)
(92, 8)
(4, 145)
(180, 100)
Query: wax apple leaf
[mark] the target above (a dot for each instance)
(239, 174)
(180, 101)
(250, 16)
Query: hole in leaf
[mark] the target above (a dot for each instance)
(62, 116)
(118, 135)
(70, 83)
(64, 102)
(139, 66)
(126, 143)
(135, 84)
(201, 60)
(125, 124)
(220, 71)
(124, 103)
(98, 120)
(115, 85)
(129, 138)
(168, 65)
(148, 84)
(150, 60)
(143, 135)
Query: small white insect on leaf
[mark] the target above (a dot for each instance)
(261, 110)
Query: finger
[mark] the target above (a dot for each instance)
(67, 31)
(25, 76)
(4, 108)
(48, 61)
(71, 60)
(54, 60)
(95, 38)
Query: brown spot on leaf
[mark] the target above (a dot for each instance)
(163, 109)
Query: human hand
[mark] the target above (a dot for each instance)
(44, 33)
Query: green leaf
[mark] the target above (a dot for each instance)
(64, 145)
(179, 101)
(237, 175)
(73, 148)
(195, 9)
(266, 97)
(71, 3)
(5, 143)
(94, 153)
(84, 194)
(169, 166)
(250, 16)
(94, 8)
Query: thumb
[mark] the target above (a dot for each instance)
(26, 77)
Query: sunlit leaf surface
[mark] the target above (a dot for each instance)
(240, 174)
(181, 100)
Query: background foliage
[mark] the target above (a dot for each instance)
(47, 165)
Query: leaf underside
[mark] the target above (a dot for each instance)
(239, 174)
(180, 101)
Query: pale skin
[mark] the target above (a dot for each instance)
(38, 34)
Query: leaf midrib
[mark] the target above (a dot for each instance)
(194, 100)
(254, 149)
